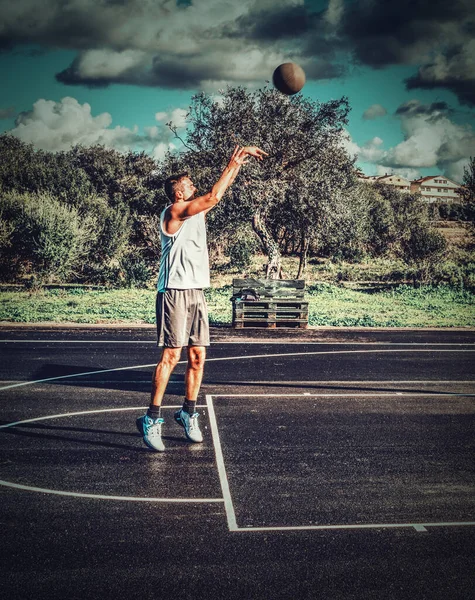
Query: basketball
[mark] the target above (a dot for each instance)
(289, 78)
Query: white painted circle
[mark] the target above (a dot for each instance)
(30, 488)
(171, 500)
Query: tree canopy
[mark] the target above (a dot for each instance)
(306, 167)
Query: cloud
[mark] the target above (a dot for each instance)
(334, 12)
(205, 43)
(7, 113)
(413, 108)
(405, 172)
(453, 69)
(374, 111)
(436, 37)
(56, 126)
(98, 68)
(370, 151)
(201, 44)
(432, 140)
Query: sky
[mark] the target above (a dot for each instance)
(114, 72)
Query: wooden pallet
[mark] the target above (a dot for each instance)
(280, 304)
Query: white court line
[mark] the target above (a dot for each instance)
(87, 412)
(349, 395)
(246, 357)
(223, 479)
(230, 517)
(338, 343)
(229, 506)
(244, 341)
(421, 527)
(23, 383)
(30, 488)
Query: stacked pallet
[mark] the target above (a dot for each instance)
(280, 303)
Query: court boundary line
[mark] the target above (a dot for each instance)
(229, 505)
(228, 499)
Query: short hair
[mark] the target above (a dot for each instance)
(171, 182)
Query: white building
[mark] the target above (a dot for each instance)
(436, 188)
(402, 184)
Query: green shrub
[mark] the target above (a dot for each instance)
(241, 250)
(50, 239)
(135, 271)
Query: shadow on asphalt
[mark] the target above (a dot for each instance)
(39, 431)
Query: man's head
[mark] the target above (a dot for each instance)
(179, 187)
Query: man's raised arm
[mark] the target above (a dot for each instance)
(181, 211)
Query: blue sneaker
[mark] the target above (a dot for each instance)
(151, 429)
(189, 424)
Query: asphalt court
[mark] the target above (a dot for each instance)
(301, 438)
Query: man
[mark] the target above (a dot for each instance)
(182, 316)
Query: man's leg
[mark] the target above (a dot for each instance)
(187, 417)
(161, 375)
(194, 371)
(150, 425)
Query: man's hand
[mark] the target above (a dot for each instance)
(238, 158)
(255, 151)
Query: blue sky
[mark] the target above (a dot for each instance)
(110, 72)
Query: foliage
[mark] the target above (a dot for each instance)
(306, 162)
(92, 214)
(135, 271)
(119, 193)
(26, 170)
(241, 249)
(48, 236)
(467, 191)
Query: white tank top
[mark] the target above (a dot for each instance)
(184, 264)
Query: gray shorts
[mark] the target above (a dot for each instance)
(182, 318)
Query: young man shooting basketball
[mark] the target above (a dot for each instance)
(182, 317)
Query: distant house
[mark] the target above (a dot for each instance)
(402, 184)
(436, 188)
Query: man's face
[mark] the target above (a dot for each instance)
(187, 188)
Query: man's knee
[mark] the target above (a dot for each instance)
(196, 357)
(170, 357)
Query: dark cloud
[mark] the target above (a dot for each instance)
(414, 108)
(323, 36)
(464, 90)
(438, 35)
(166, 70)
(72, 76)
(453, 70)
(386, 32)
(274, 23)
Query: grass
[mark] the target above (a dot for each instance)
(329, 305)
(339, 293)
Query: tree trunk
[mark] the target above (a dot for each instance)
(271, 248)
(304, 246)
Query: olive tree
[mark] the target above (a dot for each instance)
(304, 166)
